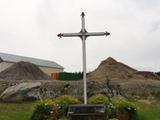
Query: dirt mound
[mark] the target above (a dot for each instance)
(126, 80)
(148, 75)
(112, 69)
(119, 72)
(23, 71)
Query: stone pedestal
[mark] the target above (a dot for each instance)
(87, 112)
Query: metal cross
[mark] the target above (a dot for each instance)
(83, 34)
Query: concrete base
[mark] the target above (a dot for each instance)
(87, 112)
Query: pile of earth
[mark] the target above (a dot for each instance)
(111, 78)
(23, 71)
(111, 69)
(119, 72)
(148, 75)
(131, 82)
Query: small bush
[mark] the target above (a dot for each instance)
(111, 110)
(98, 99)
(55, 112)
(49, 109)
(126, 108)
(43, 110)
(64, 102)
(115, 106)
(102, 99)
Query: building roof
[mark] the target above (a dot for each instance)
(16, 58)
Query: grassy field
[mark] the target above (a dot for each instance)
(15, 111)
(149, 111)
(23, 111)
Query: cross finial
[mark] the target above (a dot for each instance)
(107, 33)
(60, 35)
(82, 14)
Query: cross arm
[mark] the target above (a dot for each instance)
(97, 34)
(69, 35)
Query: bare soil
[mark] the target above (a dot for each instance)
(119, 72)
(23, 71)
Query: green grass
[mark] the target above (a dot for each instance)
(149, 111)
(23, 111)
(16, 111)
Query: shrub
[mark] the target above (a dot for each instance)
(102, 99)
(126, 108)
(64, 102)
(115, 106)
(43, 110)
(111, 110)
(98, 99)
(55, 112)
(49, 109)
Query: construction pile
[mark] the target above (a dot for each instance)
(119, 72)
(23, 71)
(148, 75)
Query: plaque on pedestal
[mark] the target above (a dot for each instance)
(87, 112)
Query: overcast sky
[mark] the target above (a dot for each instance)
(30, 28)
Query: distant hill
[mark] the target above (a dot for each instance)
(119, 72)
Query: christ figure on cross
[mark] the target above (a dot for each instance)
(83, 34)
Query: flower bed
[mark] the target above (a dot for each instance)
(56, 109)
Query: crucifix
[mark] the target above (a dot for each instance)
(83, 34)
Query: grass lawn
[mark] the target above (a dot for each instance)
(16, 111)
(149, 111)
(23, 111)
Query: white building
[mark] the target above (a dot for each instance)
(48, 67)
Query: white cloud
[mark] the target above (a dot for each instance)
(30, 27)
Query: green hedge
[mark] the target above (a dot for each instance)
(158, 73)
(70, 76)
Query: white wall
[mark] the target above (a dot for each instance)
(48, 70)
